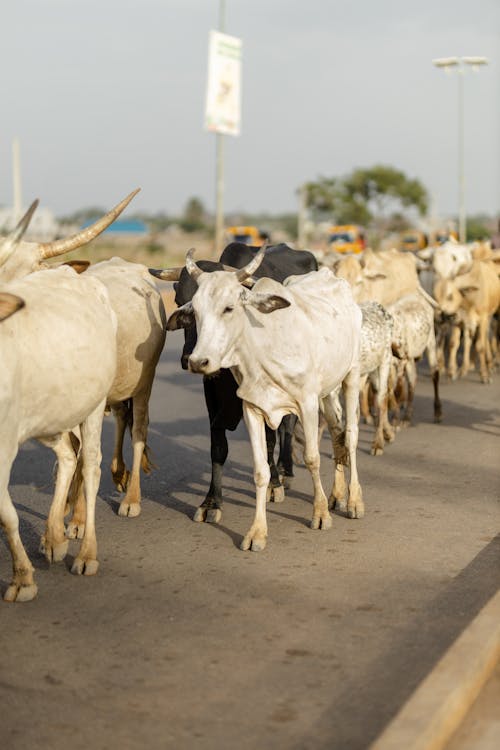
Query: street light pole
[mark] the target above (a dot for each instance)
(458, 64)
(219, 163)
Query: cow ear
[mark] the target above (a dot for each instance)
(9, 304)
(181, 318)
(267, 303)
(375, 276)
(78, 265)
(466, 289)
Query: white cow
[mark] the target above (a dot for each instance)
(375, 364)
(58, 363)
(413, 335)
(141, 336)
(141, 318)
(289, 347)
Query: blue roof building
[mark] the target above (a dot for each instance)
(122, 226)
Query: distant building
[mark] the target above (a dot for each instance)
(43, 226)
(134, 227)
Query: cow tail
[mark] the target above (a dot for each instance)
(146, 463)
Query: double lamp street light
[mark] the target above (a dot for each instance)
(460, 65)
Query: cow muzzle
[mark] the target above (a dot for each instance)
(201, 365)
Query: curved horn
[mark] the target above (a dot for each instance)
(23, 224)
(58, 247)
(9, 243)
(167, 274)
(193, 270)
(251, 267)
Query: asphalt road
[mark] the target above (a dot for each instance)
(183, 641)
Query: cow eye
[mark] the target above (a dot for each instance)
(228, 309)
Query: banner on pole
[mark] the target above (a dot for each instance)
(223, 101)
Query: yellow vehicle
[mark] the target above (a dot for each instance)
(249, 235)
(443, 235)
(412, 240)
(346, 238)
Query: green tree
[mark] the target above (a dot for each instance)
(367, 196)
(193, 217)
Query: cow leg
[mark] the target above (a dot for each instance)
(321, 518)
(86, 561)
(456, 334)
(211, 508)
(285, 460)
(75, 527)
(224, 412)
(442, 344)
(398, 391)
(22, 587)
(54, 544)
(411, 379)
(256, 538)
(384, 430)
(364, 401)
(433, 366)
(131, 504)
(355, 505)
(275, 490)
(469, 332)
(481, 348)
(119, 472)
(332, 410)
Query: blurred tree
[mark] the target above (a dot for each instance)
(477, 228)
(193, 217)
(366, 196)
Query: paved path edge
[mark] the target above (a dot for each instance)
(440, 703)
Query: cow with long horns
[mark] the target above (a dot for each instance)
(18, 257)
(224, 406)
(58, 349)
(141, 332)
(289, 347)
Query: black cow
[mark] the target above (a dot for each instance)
(225, 408)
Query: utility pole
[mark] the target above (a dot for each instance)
(301, 218)
(459, 64)
(219, 162)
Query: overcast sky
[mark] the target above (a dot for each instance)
(109, 95)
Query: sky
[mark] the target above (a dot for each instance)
(109, 95)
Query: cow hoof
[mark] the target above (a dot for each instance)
(357, 511)
(376, 450)
(255, 545)
(84, 567)
(75, 530)
(322, 522)
(339, 506)
(278, 494)
(54, 552)
(200, 514)
(214, 515)
(121, 480)
(17, 593)
(129, 510)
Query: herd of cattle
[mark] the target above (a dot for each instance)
(277, 339)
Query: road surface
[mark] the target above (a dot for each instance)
(183, 641)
